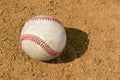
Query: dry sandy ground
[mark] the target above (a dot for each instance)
(93, 44)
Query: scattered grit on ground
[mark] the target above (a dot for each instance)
(93, 40)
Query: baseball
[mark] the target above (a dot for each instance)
(43, 38)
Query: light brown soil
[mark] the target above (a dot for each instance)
(93, 45)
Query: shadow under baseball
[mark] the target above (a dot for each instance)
(77, 44)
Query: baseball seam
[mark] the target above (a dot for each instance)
(41, 43)
(43, 18)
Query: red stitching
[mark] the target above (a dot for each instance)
(40, 42)
(44, 18)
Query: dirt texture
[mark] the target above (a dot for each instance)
(93, 40)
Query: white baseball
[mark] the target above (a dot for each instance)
(43, 38)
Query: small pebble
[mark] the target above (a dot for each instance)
(4, 39)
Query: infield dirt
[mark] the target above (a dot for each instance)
(93, 40)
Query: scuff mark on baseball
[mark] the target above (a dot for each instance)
(43, 37)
